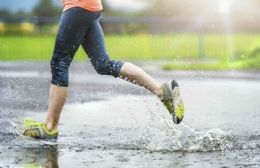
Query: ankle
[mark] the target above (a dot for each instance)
(159, 91)
(51, 126)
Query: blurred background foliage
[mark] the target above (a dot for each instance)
(201, 34)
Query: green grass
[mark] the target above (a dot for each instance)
(138, 47)
(232, 52)
(248, 64)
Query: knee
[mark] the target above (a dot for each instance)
(103, 67)
(59, 71)
(108, 67)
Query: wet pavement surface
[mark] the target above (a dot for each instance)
(108, 122)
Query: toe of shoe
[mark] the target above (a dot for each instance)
(179, 113)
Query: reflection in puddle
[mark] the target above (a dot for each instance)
(37, 158)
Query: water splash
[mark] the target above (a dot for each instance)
(170, 137)
(187, 140)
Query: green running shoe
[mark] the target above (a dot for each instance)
(37, 130)
(172, 101)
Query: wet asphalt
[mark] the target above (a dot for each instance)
(108, 122)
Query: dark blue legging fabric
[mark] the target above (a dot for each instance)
(80, 27)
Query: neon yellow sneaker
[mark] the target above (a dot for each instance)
(172, 101)
(37, 130)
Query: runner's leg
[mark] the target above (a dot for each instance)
(73, 27)
(94, 46)
(136, 75)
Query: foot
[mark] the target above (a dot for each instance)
(37, 130)
(171, 99)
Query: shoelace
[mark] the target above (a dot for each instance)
(31, 127)
(32, 132)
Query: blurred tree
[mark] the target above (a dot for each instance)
(109, 11)
(5, 13)
(106, 8)
(21, 13)
(182, 8)
(45, 10)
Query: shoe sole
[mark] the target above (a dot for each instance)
(172, 92)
